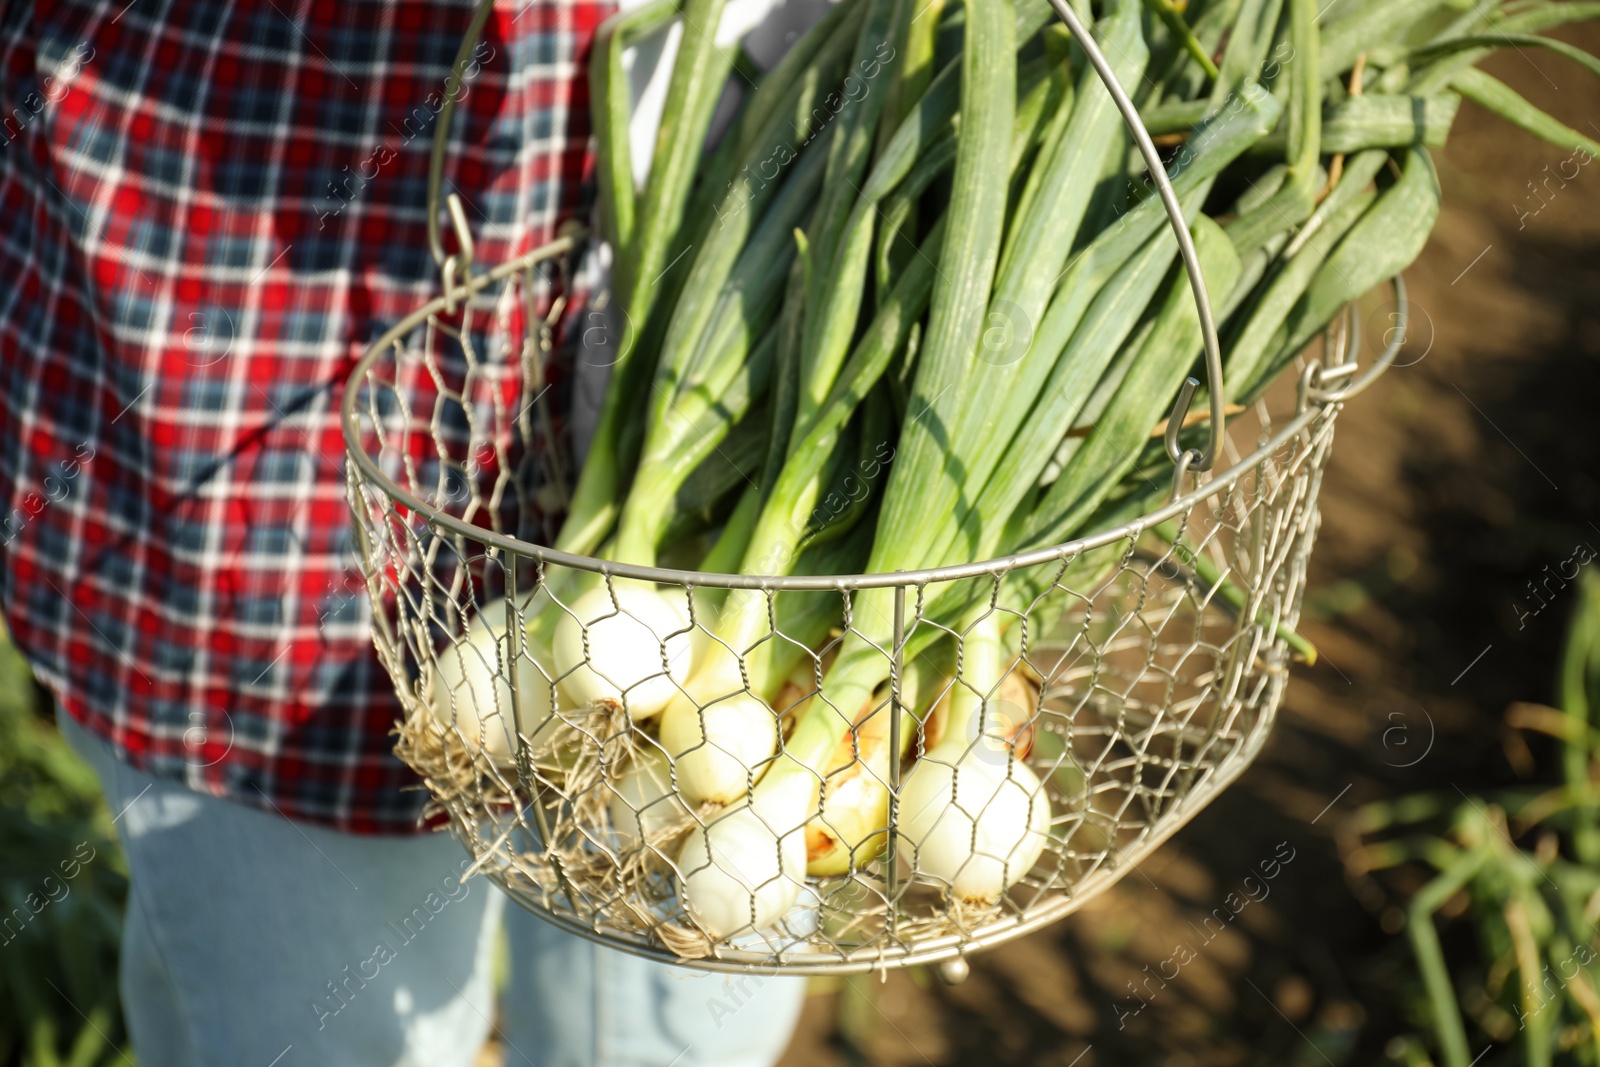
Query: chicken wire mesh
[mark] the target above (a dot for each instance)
(1027, 729)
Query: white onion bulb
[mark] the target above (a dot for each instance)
(622, 663)
(470, 687)
(852, 828)
(720, 748)
(738, 874)
(976, 819)
(642, 802)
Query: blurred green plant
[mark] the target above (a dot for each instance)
(62, 889)
(1521, 868)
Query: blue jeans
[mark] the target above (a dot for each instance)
(251, 940)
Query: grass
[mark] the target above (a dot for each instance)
(62, 889)
(1502, 900)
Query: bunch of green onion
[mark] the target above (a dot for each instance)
(926, 247)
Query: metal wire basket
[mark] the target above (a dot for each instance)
(1145, 663)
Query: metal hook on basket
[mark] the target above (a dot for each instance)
(1175, 421)
(441, 137)
(1394, 339)
(1181, 467)
(1199, 460)
(457, 266)
(1317, 382)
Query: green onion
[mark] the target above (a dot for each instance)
(690, 384)
(1249, 43)
(921, 482)
(1496, 96)
(1380, 120)
(1250, 348)
(1172, 17)
(833, 286)
(595, 503)
(1155, 370)
(1373, 24)
(1294, 201)
(862, 352)
(718, 866)
(1384, 242)
(608, 81)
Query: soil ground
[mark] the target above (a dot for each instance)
(1454, 482)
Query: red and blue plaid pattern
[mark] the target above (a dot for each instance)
(207, 209)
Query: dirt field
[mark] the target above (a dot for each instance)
(1454, 482)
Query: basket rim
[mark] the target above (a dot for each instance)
(1316, 404)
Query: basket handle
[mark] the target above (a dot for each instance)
(454, 265)
(1193, 460)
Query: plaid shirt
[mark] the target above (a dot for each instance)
(207, 209)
